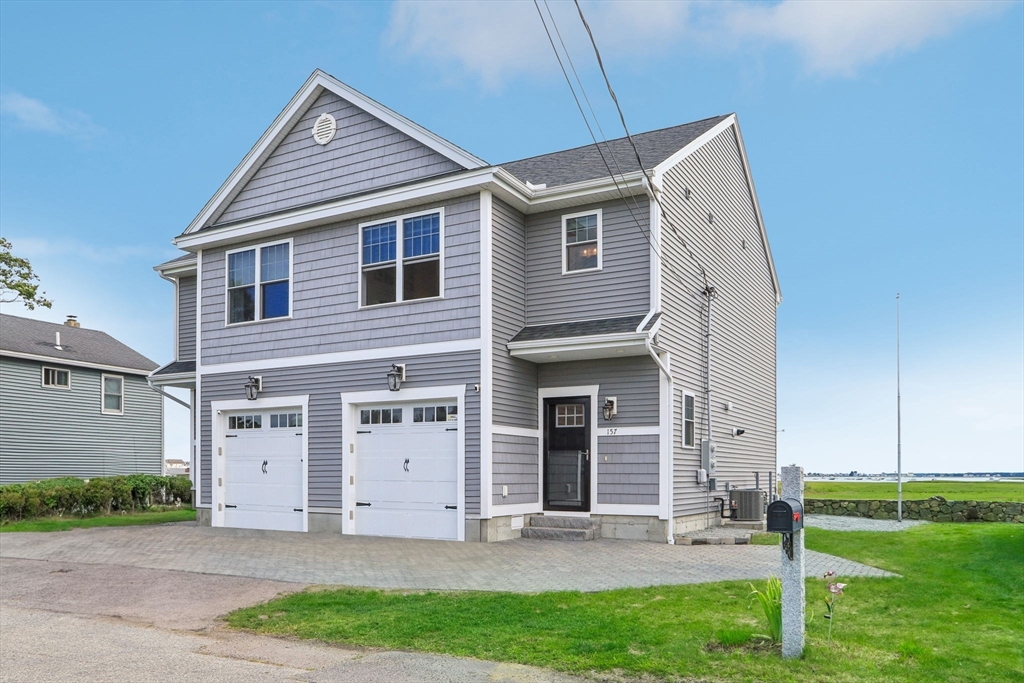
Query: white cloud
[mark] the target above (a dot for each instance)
(32, 114)
(497, 41)
(33, 247)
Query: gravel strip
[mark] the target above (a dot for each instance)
(842, 523)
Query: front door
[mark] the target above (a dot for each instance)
(567, 454)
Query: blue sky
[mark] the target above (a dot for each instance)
(886, 141)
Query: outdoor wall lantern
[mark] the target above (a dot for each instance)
(738, 431)
(611, 407)
(396, 376)
(253, 386)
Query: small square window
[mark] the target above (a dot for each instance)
(570, 415)
(54, 377)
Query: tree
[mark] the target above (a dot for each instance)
(17, 281)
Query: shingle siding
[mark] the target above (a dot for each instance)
(516, 466)
(51, 432)
(627, 470)
(326, 317)
(621, 288)
(365, 154)
(743, 319)
(324, 384)
(633, 380)
(186, 318)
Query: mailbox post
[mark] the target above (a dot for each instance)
(786, 516)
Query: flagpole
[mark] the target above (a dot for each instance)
(899, 440)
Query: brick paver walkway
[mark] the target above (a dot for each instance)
(522, 565)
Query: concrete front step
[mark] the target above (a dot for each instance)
(555, 522)
(559, 534)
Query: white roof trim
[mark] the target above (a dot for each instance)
(580, 348)
(728, 122)
(75, 363)
(285, 121)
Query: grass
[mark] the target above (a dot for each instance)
(1006, 491)
(957, 615)
(66, 523)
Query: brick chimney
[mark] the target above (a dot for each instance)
(71, 321)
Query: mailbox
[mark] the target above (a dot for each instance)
(785, 516)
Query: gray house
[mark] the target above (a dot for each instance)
(74, 403)
(386, 335)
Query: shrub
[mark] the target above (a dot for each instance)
(100, 495)
(771, 603)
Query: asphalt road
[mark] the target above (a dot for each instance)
(62, 621)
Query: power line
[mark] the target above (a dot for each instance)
(590, 129)
(636, 152)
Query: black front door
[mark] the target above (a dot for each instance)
(567, 454)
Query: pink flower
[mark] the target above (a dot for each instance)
(836, 588)
(829, 574)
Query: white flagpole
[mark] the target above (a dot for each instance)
(899, 444)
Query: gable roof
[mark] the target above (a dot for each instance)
(314, 86)
(25, 337)
(585, 163)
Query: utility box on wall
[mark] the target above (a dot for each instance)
(708, 460)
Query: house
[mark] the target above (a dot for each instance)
(386, 335)
(74, 402)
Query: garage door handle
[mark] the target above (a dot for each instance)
(363, 431)
(296, 509)
(362, 505)
(231, 436)
(451, 507)
(231, 506)
(452, 429)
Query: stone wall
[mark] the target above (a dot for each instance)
(935, 509)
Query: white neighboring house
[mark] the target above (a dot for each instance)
(383, 334)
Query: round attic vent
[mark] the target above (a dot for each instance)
(324, 129)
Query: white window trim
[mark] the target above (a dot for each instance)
(682, 419)
(42, 378)
(600, 242)
(103, 393)
(257, 294)
(399, 257)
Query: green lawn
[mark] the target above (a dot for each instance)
(916, 490)
(957, 615)
(65, 523)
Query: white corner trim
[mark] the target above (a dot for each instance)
(218, 447)
(197, 401)
(666, 449)
(486, 352)
(350, 402)
(378, 353)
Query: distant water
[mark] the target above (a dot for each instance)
(906, 479)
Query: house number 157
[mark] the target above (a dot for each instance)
(611, 431)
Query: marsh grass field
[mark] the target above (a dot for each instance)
(1004, 491)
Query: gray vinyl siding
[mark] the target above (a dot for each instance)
(743, 319)
(50, 432)
(516, 466)
(622, 287)
(514, 379)
(186, 318)
(629, 476)
(326, 317)
(633, 380)
(365, 154)
(324, 384)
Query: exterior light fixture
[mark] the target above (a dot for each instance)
(396, 376)
(253, 386)
(738, 431)
(611, 407)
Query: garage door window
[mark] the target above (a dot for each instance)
(380, 416)
(435, 414)
(285, 420)
(245, 421)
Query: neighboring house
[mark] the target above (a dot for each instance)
(74, 403)
(386, 335)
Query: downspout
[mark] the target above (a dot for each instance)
(655, 353)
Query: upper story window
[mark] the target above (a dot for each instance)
(113, 394)
(689, 425)
(401, 259)
(581, 242)
(259, 283)
(55, 377)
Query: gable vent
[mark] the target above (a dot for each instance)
(324, 129)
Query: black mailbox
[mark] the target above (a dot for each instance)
(785, 516)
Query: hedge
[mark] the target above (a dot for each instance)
(83, 497)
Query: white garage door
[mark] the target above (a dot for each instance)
(263, 470)
(407, 470)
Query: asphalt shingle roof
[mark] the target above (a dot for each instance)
(78, 344)
(175, 261)
(581, 328)
(584, 163)
(177, 367)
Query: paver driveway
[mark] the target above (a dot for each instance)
(522, 565)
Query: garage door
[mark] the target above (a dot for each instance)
(263, 470)
(407, 470)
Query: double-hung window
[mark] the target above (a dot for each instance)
(113, 394)
(259, 282)
(55, 377)
(689, 423)
(581, 242)
(401, 259)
